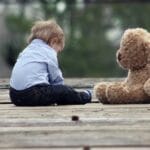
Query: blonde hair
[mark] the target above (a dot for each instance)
(46, 31)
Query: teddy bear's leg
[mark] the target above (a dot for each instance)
(100, 92)
(120, 94)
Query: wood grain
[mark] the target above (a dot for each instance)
(108, 127)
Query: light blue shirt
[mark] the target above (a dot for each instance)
(36, 64)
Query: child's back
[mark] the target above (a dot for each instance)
(33, 64)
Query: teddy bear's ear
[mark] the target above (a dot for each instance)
(132, 36)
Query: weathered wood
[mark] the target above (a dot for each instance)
(73, 82)
(44, 137)
(93, 111)
(88, 82)
(98, 125)
(120, 127)
(4, 96)
(82, 148)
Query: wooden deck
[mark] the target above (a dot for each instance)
(108, 127)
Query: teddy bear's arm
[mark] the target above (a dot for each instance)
(147, 87)
(100, 92)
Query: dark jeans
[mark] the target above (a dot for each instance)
(42, 95)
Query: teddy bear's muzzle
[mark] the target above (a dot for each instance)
(119, 56)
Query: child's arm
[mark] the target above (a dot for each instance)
(55, 74)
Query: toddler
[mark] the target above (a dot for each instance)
(36, 78)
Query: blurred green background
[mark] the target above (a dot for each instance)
(93, 29)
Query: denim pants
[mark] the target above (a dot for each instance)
(43, 94)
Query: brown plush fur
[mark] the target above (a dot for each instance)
(133, 55)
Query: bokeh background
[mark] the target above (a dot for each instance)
(93, 29)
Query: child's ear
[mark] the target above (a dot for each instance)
(54, 41)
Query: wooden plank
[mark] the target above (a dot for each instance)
(50, 148)
(116, 123)
(111, 125)
(88, 110)
(82, 148)
(76, 126)
(99, 127)
(121, 148)
(4, 82)
(45, 137)
(88, 82)
(73, 82)
(4, 96)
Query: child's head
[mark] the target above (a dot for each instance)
(50, 32)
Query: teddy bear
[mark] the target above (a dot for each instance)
(134, 56)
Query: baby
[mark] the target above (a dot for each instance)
(36, 78)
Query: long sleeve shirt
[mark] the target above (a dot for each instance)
(36, 64)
